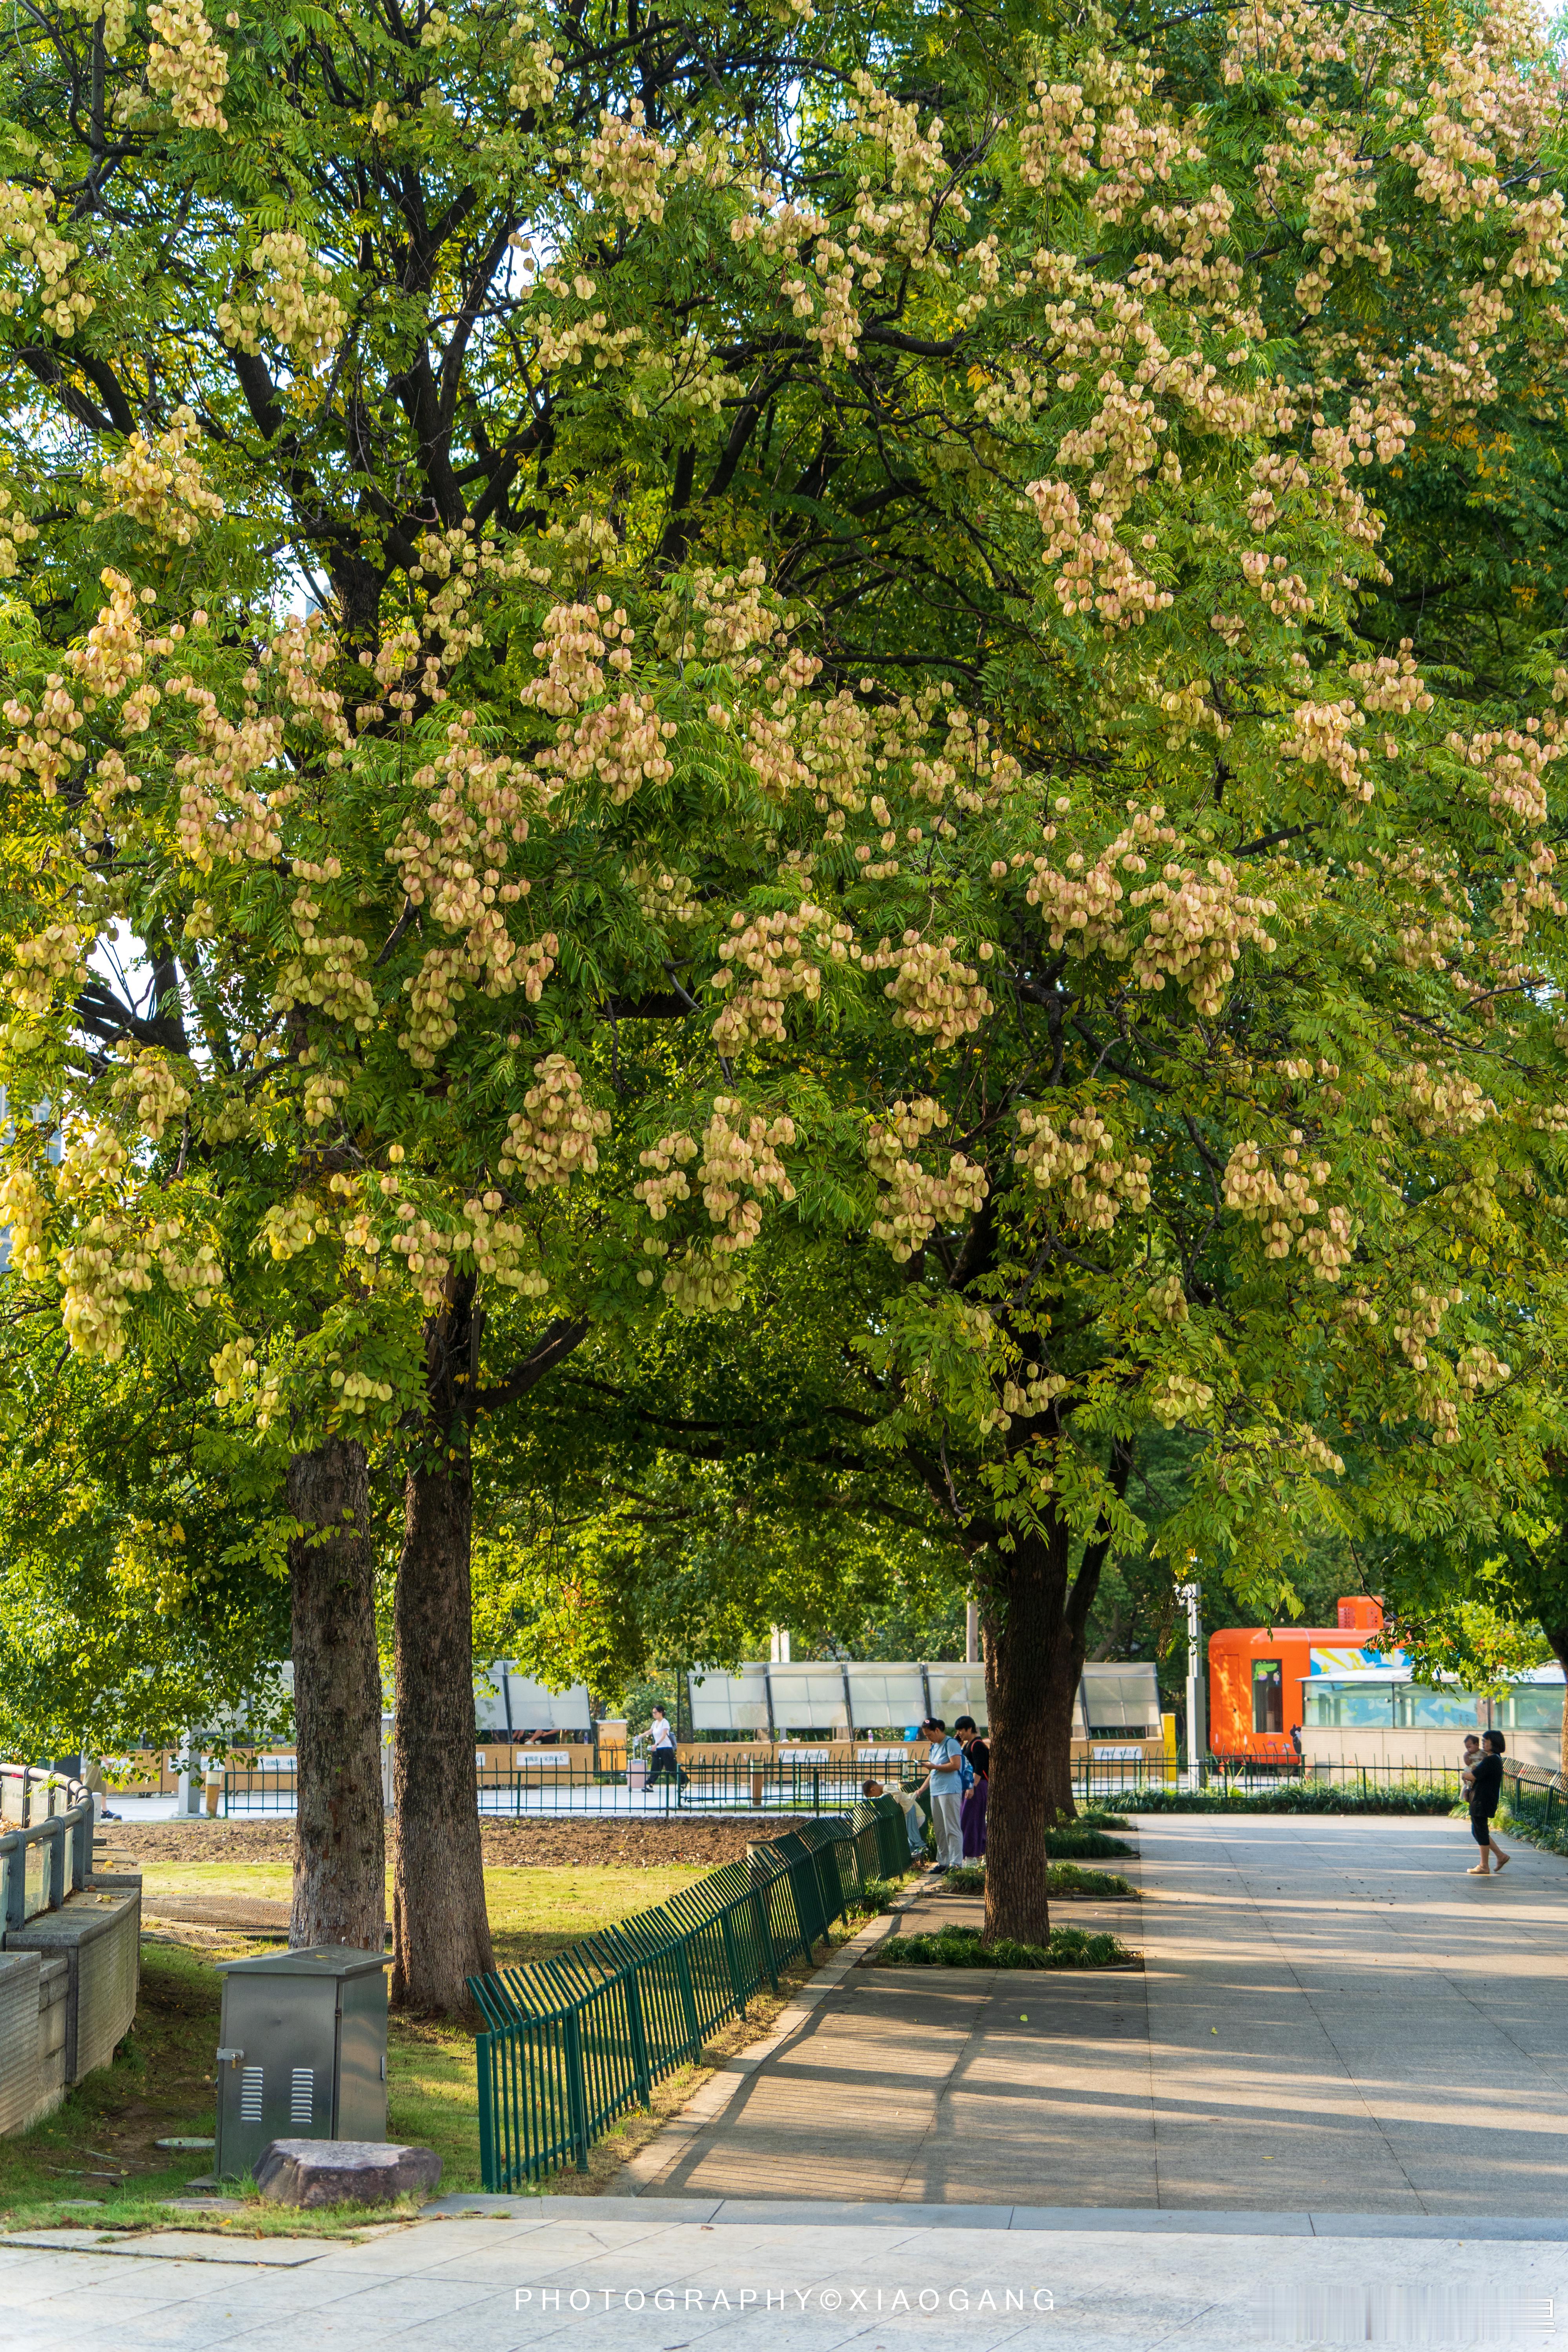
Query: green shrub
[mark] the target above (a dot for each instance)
(1081, 1842)
(1529, 1817)
(877, 1894)
(1067, 1878)
(1297, 1797)
(961, 1948)
(1061, 1878)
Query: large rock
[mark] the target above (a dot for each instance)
(344, 2171)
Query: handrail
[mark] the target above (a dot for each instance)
(64, 1832)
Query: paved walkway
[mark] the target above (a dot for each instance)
(595, 2276)
(1343, 2078)
(1333, 2017)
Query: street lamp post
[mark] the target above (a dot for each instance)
(1197, 1695)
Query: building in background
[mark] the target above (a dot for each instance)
(1307, 1695)
(1259, 1674)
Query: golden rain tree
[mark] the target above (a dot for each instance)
(866, 692)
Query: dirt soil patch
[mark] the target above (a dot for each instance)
(200, 1841)
(244, 1914)
(686, 1839)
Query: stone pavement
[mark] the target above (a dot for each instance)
(1332, 2016)
(659, 2276)
(1331, 2111)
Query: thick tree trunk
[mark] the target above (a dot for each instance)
(441, 1934)
(1037, 1637)
(1024, 1629)
(340, 1849)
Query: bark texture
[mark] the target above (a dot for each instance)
(440, 1930)
(1036, 1619)
(1023, 1628)
(339, 1848)
(441, 1934)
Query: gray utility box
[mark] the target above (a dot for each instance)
(303, 2054)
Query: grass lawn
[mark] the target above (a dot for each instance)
(100, 2144)
(533, 1911)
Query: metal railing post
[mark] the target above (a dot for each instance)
(765, 1934)
(576, 2086)
(638, 2036)
(727, 1929)
(688, 1999)
(16, 1880)
(81, 1845)
(487, 2126)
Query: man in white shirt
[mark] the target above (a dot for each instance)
(945, 1781)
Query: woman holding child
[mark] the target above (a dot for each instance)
(1482, 1779)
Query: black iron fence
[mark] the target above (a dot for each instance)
(569, 1784)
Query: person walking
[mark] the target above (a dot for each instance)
(972, 1813)
(944, 1784)
(1486, 1793)
(664, 1763)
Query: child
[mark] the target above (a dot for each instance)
(914, 1827)
(1467, 1765)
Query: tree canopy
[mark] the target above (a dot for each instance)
(936, 642)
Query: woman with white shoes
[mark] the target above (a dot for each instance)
(1486, 1793)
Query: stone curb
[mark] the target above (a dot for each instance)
(1132, 2221)
(672, 2140)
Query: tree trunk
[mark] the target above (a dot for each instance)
(441, 1933)
(1024, 1628)
(340, 1847)
(1037, 1637)
(1062, 1679)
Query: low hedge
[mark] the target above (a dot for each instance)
(1293, 1797)
(961, 1948)
(1081, 1842)
(1061, 1878)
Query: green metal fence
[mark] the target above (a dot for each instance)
(1531, 1788)
(573, 2042)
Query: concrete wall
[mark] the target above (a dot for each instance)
(1420, 1749)
(69, 1981)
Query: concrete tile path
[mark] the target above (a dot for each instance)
(1332, 2111)
(1332, 2016)
(610, 2276)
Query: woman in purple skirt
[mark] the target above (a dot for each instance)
(972, 1820)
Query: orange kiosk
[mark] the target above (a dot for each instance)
(1256, 1674)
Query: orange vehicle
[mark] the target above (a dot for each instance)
(1256, 1673)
